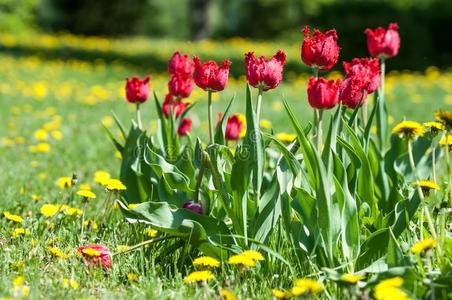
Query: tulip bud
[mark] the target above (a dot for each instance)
(180, 64)
(194, 207)
(383, 43)
(184, 127)
(180, 86)
(323, 94)
(137, 91)
(233, 128)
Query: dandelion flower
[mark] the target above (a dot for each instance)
(57, 135)
(64, 182)
(352, 278)
(206, 262)
(265, 124)
(446, 140)
(408, 129)
(14, 218)
(306, 286)
(41, 135)
(278, 294)
(227, 295)
(427, 185)
(254, 255)
(434, 127)
(86, 194)
(56, 252)
(150, 232)
(242, 260)
(70, 283)
(115, 185)
(444, 117)
(40, 148)
(132, 277)
(199, 276)
(49, 210)
(389, 289)
(423, 246)
(18, 232)
(101, 177)
(286, 137)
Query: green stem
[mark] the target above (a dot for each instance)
(319, 129)
(364, 114)
(138, 116)
(209, 115)
(199, 178)
(419, 190)
(83, 220)
(139, 245)
(448, 167)
(381, 116)
(433, 163)
(258, 104)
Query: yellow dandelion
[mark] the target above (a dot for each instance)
(118, 155)
(36, 197)
(57, 135)
(286, 137)
(70, 283)
(122, 248)
(49, 210)
(206, 262)
(101, 177)
(90, 224)
(11, 217)
(444, 117)
(41, 135)
(446, 140)
(40, 148)
(18, 232)
(199, 276)
(423, 246)
(427, 185)
(85, 187)
(91, 252)
(434, 127)
(408, 129)
(279, 294)
(56, 252)
(241, 260)
(265, 124)
(227, 295)
(72, 211)
(352, 278)
(64, 182)
(132, 277)
(115, 185)
(107, 121)
(86, 194)
(306, 286)
(18, 280)
(389, 290)
(254, 255)
(150, 232)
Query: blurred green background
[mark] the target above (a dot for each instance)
(424, 24)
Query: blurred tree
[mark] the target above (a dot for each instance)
(200, 16)
(17, 16)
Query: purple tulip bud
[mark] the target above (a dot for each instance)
(194, 207)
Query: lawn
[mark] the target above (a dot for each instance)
(66, 102)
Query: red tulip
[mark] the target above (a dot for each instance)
(264, 72)
(209, 76)
(383, 43)
(352, 90)
(233, 128)
(137, 91)
(367, 69)
(180, 64)
(323, 94)
(321, 50)
(180, 86)
(96, 255)
(184, 127)
(177, 107)
(194, 207)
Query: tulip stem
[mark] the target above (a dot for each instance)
(419, 190)
(139, 245)
(381, 114)
(138, 116)
(364, 114)
(199, 178)
(319, 116)
(209, 115)
(258, 104)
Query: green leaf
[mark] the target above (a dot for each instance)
(219, 134)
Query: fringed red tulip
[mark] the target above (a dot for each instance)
(180, 85)
(184, 127)
(366, 69)
(137, 91)
(265, 73)
(209, 76)
(323, 94)
(321, 50)
(352, 91)
(383, 43)
(181, 64)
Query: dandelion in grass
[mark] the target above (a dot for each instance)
(427, 186)
(434, 127)
(279, 294)
(85, 187)
(445, 117)
(227, 295)
(408, 130)
(90, 224)
(152, 233)
(20, 289)
(241, 260)
(265, 124)
(286, 137)
(199, 276)
(101, 177)
(306, 286)
(446, 140)
(389, 289)
(115, 185)
(12, 217)
(19, 232)
(64, 182)
(132, 277)
(56, 252)
(423, 246)
(70, 283)
(86, 194)
(206, 262)
(72, 211)
(40, 148)
(352, 278)
(254, 255)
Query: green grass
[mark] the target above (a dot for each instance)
(69, 85)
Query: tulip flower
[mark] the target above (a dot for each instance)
(367, 69)
(320, 51)
(353, 90)
(96, 255)
(194, 207)
(180, 85)
(184, 127)
(177, 107)
(233, 128)
(211, 78)
(323, 94)
(137, 91)
(383, 43)
(180, 64)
